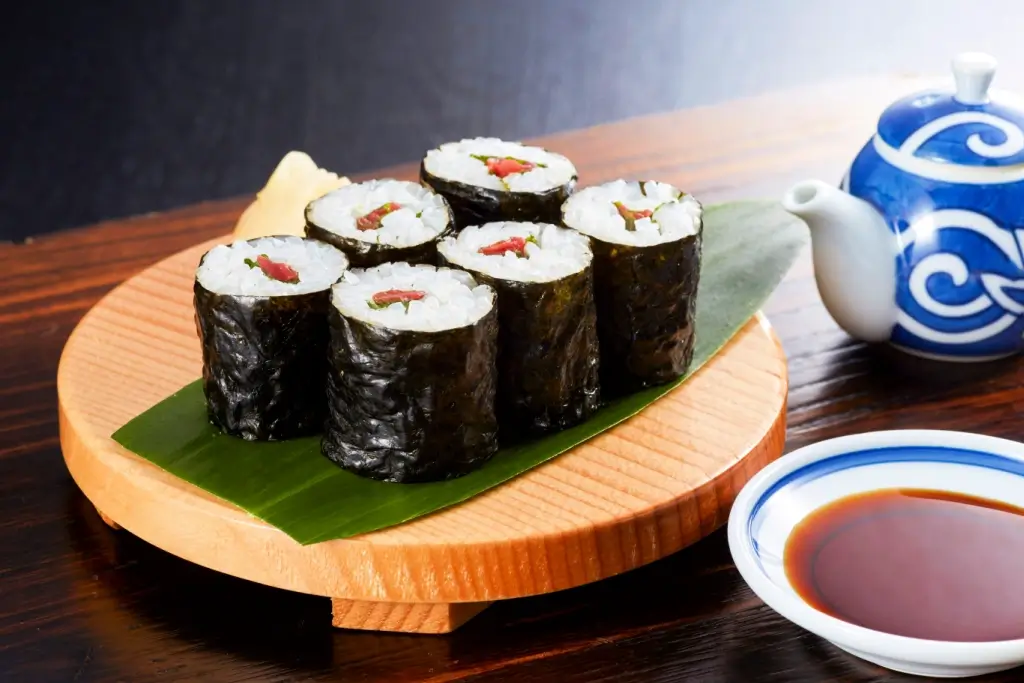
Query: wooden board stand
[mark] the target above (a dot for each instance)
(645, 489)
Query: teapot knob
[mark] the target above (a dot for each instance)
(973, 72)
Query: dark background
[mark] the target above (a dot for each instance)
(118, 108)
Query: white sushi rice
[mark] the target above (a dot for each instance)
(224, 271)
(453, 298)
(422, 217)
(556, 253)
(592, 211)
(456, 161)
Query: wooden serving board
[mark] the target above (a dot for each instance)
(646, 488)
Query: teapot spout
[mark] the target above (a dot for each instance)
(854, 256)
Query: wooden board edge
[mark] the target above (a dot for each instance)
(768, 447)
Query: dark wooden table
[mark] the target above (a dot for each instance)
(79, 602)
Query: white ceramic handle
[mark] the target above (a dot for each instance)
(973, 73)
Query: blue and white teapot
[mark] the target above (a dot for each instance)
(922, 246)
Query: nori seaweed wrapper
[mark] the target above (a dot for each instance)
(264, 362)
(407, 406)
(369, 254)
(646, 301)
(474, 205)
(547, 353)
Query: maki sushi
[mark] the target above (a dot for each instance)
(646, 238)
(381, 220)
(261, 314)
(487, 180)
(547, 340)
(412, 375)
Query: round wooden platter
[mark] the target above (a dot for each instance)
(646, 488)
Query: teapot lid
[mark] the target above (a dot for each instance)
(969, 127)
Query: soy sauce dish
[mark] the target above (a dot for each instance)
(904, 548)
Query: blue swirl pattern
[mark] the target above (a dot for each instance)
(960, 265)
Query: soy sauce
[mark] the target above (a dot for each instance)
(914, 562)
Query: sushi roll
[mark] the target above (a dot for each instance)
(487, 180)
(547, 324)
(646, 238)
(261, 314)
(381, 220)
(412, 377)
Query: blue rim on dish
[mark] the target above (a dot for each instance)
(874, 456)
(851, 454)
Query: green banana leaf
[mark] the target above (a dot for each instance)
(748, 248)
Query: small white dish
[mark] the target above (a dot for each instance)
(782, 494)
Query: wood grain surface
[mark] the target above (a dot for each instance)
(403, 617)
(79, 602)
(644, 489)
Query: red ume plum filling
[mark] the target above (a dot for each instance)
(372, 220)
(516, 245)
(275, 270)
(397, 296)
